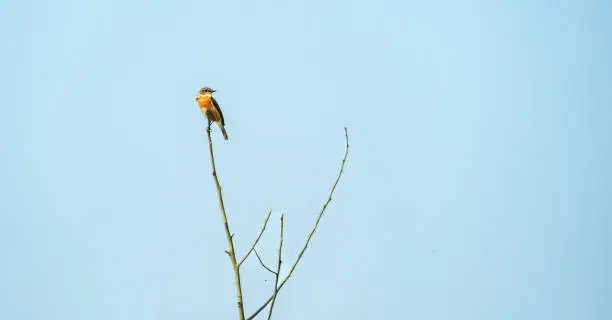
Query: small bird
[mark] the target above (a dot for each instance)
(210, 108)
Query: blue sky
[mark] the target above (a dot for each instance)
(478, 184)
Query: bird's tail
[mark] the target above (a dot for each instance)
(223, 131)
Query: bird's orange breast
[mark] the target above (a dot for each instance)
(204, 102)
(208, 108)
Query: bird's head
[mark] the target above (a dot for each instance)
(206, 90)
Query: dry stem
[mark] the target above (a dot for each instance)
(280, 261)
(228, 234)
(263, 264)
(256, 240)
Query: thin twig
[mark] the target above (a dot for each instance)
(256, 240)
(231, 253)
(280, 261)
(313, 229)
(262, 263)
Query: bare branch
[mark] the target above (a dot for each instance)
(311, 232)
(280, 261)
(262, 263)
(231, 252)
(256, 240)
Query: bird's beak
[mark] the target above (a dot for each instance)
(213, 90)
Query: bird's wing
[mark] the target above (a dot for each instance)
(214, 102)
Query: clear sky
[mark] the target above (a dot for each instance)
(479, 184)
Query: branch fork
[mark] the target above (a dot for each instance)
(230, 239)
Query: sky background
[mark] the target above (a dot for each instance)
(478, 185)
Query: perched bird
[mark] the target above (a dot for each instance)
(210, 108)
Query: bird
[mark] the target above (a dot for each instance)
(210, 108)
